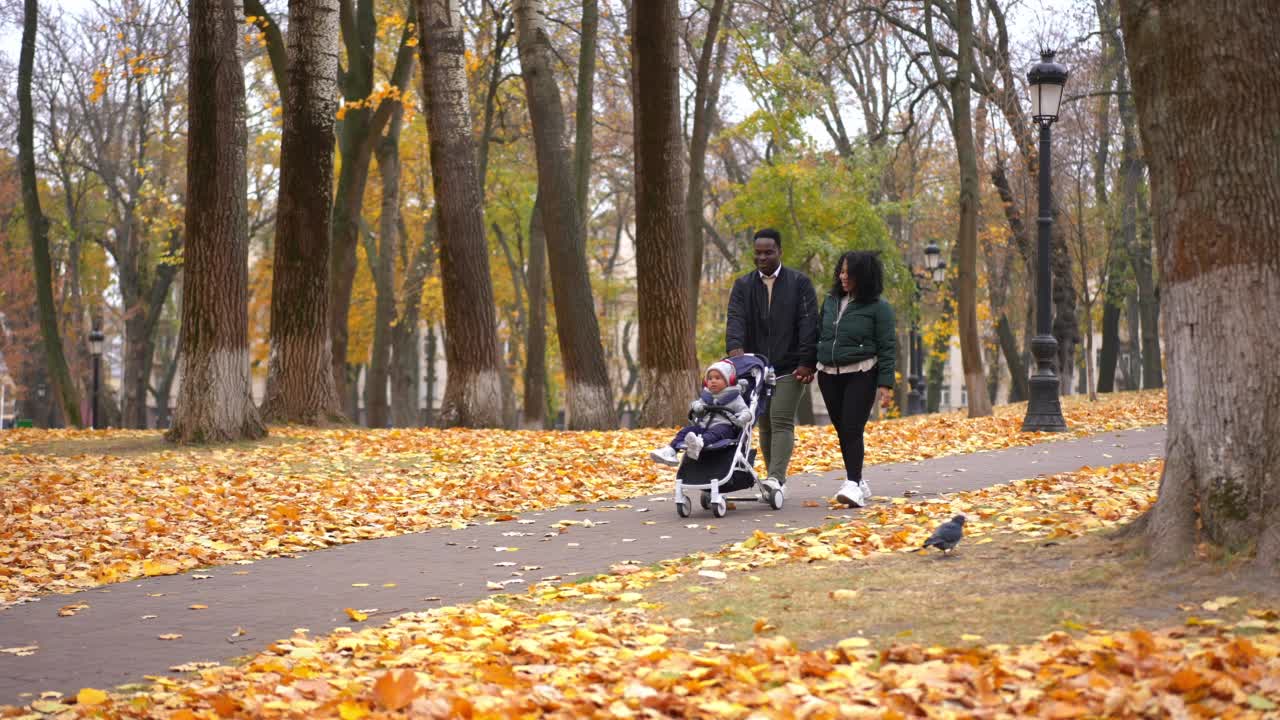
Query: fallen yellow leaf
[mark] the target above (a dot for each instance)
(90, 696)
(348, 710)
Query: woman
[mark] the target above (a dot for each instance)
(856, 357)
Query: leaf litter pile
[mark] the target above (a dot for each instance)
(598, 649)
(73, 522)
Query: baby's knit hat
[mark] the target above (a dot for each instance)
(725, 368)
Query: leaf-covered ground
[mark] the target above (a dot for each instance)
(81, 509)
(599, 649)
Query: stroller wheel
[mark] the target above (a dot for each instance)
(775, 499)
(684, 508)
(719, 509)
(706, 499)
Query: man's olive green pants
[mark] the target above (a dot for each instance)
(778, 426)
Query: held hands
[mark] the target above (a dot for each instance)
(885, 396)
(803, 374)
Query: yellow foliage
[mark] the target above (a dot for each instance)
(100, 76)
(361, 315)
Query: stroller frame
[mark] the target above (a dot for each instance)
(713, 497)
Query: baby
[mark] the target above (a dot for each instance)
(716, 415)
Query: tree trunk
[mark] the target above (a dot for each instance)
(967, 234)
(300, 383)
(1215, 193)
(939, 353)
(38, 226)
(1066, 324)
(384, 268)
(993, 374)
(215, 402)
(430, 418)
(136, 371)
(473, 395)
(588, 398)
(163, 390)
(1137, 242)
(668, 358)
(1113, 56)
(277, 55)
(359, 131)
(1090, 388)
(1148, 299)
(1015, 356)
(535, 362)
(1133, 372)
(584, 118)
(406, 375)
(706, 98)
(1018, 390)
(1110, 337)
(935, 376)
(516, 325)
(348, 205)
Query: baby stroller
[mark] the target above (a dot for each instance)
(726, 466)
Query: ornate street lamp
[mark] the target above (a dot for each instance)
(932, 256)
(1044, 409)
(95, 349)
(937, 271)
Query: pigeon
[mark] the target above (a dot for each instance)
(947, 536)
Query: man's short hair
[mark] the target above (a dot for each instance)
(770, 233)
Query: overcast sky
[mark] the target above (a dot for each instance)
(1030, 21)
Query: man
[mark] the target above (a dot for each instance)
(773, 312)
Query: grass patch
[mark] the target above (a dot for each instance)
(1003, 591)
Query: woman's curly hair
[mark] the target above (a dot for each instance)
(866, 272)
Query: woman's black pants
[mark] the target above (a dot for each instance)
(849, 397)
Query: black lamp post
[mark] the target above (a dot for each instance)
(95, 349)
(1044, 410)
(937, 269)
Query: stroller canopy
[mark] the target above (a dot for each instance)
(744, 364)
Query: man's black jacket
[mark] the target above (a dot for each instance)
(785, 331)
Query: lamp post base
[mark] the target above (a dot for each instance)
(915, 402)
(1044, 409)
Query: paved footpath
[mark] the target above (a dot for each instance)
(115, 639)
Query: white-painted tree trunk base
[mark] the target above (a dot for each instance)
(216, 403)
(473, 400)
(589, 407)
(1224, 415)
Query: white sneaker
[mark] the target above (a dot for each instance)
(773, 485)
(692, 446)
(851, 494)
(866, 491)
(665, 455)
